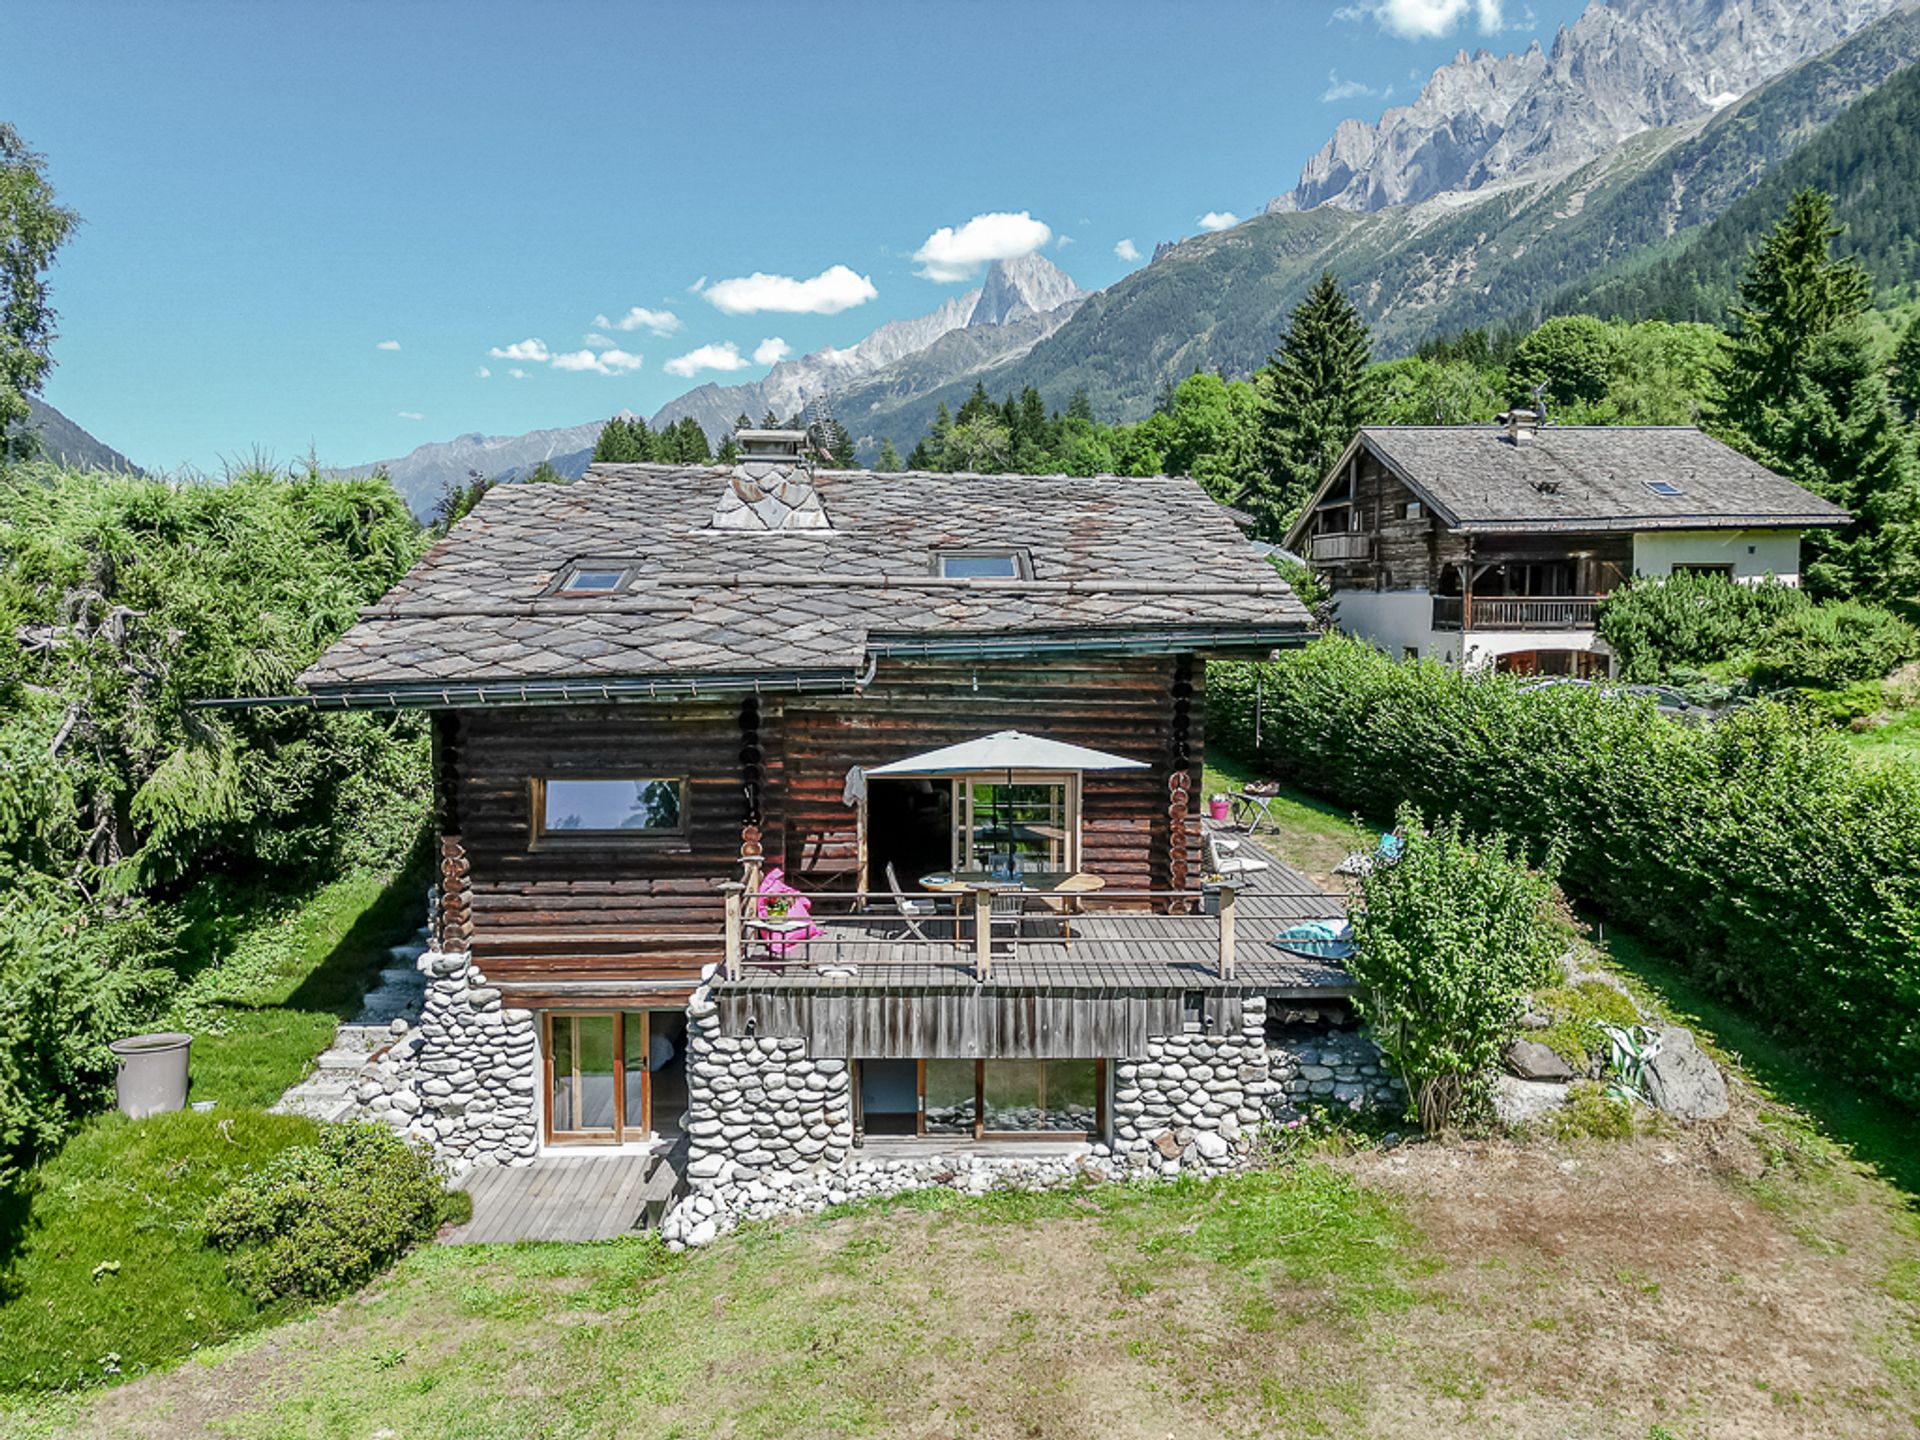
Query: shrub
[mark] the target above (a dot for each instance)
(1831, 645)
(1591, 1114)
(1578, 1016)
(1657, 626)
(1775, 867)
(319, 1220)
(1448, 942)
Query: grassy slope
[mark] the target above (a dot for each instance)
(129, 1195)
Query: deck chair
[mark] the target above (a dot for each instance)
(1007, 916)
(912, 911)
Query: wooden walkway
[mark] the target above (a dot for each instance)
(585, 1197)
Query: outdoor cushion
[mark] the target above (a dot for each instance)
(1322, 939)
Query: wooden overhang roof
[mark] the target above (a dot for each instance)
(1110, 564)
(1582, 478)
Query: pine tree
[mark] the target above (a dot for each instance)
(1804, 396)
(889, 457)
(1906, 371)
(1315, 387)
(32, 229)
(770, 421)
(624, 440)
(1079, 407)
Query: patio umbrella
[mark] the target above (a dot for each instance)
(1007, 750)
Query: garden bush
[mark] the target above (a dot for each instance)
(319, 1220)
(1831, 645)
(1756, 849)
(1449, 940)
(1657, 626)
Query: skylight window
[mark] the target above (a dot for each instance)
(592, 582)
(1663, 487)
(982, 564)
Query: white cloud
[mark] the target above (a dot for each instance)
(657, 322)
(1061, 242)
(484, 373)
(771, 351)
(388, 345)
(411, 415)
(1425, 19)
(1126, 250)
(1218, 220)
(517, 373)
(1338, 89)
(707, 357)
(529, 349)
(607, 362)
(834, 289)
(598, 342)
(951, 254)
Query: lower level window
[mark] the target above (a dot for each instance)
(603, 1072)
(1012, 1097)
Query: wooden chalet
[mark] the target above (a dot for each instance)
(655, 687)
(1494, 544)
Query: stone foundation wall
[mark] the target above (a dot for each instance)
(463, 1079)
(1193, 1101)
(1330, 1066)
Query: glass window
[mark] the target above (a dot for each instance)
(1663, 487)
(1013, 1092)
(592, 582)
(634, 1066)
(1073, 1095)
(985, 564)
(589, 806)
(949, 1097)
(1026, 820)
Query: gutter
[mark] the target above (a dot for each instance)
(521, 693)
(1166, 643)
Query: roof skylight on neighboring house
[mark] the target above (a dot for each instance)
(982, 564)
(1663, 487)
(591, 582)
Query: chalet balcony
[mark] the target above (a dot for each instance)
(1341, 547)
(1106, 940)
(1516, 612)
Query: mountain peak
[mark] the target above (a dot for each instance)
(1623, 67)
(1026, 285)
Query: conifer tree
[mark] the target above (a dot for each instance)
(889, 457)
(1315, 391)
(624, 440)
(32, 229)
(1804, 396)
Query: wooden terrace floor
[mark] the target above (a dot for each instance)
(573, 1197)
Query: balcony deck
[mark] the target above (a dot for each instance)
(1516, 612)
(1110, 951)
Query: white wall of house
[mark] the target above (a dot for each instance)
(1754, 554)
(1396, 621)
(1486, 646)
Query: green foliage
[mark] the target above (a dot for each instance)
(1834, 644)
(1448, 940)
(1785, 873)
(319, 1220)
(889, 457)
(625, 440)
(1658, 625)
(1571, 357)
(1315, 388)
(33, 226)
(132, 598)
(1577, 1016)
(1590, 1113)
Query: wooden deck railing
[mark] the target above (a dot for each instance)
(1341, 545)
(1515, 612)
(964, 926)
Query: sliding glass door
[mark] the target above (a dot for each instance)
(597, 1078)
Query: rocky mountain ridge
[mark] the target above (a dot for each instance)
(1623, 68)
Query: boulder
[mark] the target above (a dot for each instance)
(1530, 1060)
(1682, 1081)
(1516, 1101)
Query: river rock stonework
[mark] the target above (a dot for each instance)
(462, 1079)
(770, 1128)
(1320, 1065)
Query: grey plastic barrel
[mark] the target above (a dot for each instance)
(153, 1073)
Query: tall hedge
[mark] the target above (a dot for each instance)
(1755, 850)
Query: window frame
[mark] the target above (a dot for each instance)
(979, 1132)
(564, 588)
(1021, 557)
(540, 837)
(622, 1132)
(1665, 489)
(961, 813)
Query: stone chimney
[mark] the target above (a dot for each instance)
(771, 488)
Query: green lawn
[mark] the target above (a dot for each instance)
(106, 1269)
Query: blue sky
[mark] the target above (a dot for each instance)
(272, 193)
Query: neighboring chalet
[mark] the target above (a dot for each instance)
(1493, 545)
(655, 687)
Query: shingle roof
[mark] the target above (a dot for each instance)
(1592, 477)
(1125, 559)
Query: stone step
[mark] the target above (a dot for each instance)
(316, 1107)
(341, 1061)
(365, 1038)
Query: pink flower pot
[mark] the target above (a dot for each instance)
(1217, 807)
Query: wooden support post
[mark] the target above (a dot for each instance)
(1226, 931)
(983, 935)
(735, 942)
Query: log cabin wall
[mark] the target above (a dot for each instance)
(639, 909)
(1126, 706)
